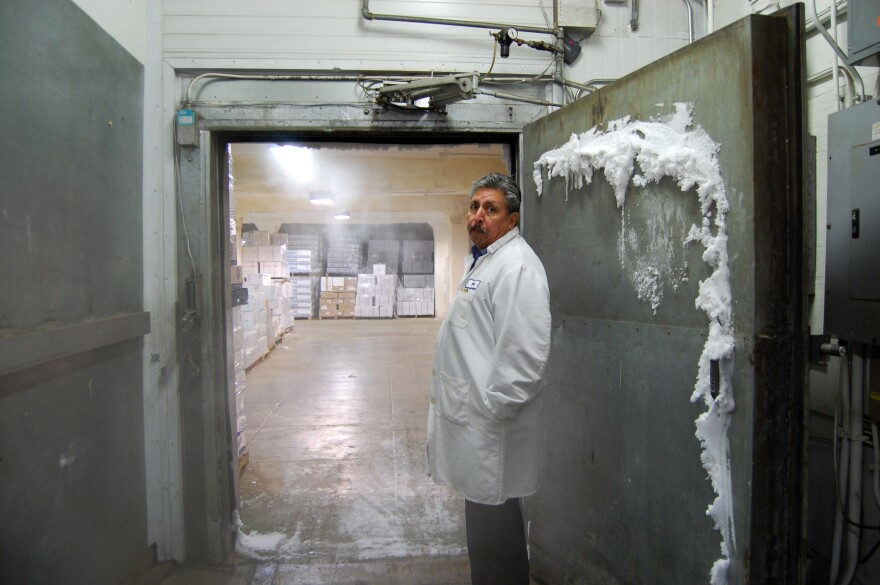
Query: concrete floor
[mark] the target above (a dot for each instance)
(335, 490)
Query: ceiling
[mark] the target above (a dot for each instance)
(266, 178)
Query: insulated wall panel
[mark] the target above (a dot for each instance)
(73, 495)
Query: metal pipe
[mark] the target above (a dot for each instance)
(710, 16)
(516, 98)
(359, 77)
(841, 461)
(821, 28)
(825, 15)
(834, 74)
(850, 88)
(365, 12)
(690, 21)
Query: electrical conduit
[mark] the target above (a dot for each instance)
(854, 493)
(842, 418)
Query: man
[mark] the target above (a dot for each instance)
(486, 392)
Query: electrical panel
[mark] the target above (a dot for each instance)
(863, 30)
(852, 277)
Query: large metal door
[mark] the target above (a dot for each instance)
(672, 302)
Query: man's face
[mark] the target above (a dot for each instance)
(487, 218)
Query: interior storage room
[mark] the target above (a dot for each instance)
(332, 287)
(232, 232)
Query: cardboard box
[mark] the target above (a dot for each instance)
(236, 275)
(250, 254)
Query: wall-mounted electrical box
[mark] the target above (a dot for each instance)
(852, 271)
(579, 14)
(187, 128)
(863, 30)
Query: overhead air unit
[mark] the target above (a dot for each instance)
(440, 91)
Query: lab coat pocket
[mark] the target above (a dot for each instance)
(453, 398)
(460, 313)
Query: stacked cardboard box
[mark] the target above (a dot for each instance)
(256, 238)
(418, 257)
(238, 344)
(343, 256)
(385, 252)
(255, 316)
(282, 310)
(305, 295)
(418, 280)
(304, 254)
(338, 295)
(375, 294)
(415, 302)
(271, 260)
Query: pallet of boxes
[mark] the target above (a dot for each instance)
(239, 300)
(415, 297)
(375, 294)
(339, 287)
(266, 275)
(377, 284)
(305, 260)
(338, 297)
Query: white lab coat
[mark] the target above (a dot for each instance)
(486, 390)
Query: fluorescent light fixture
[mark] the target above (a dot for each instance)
(322, 198)
(343, 215)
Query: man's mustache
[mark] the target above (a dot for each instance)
(478, 228)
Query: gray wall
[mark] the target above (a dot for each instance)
(625, 495)
(72, 497)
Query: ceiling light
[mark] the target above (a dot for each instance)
(322, 198)
(343, 215)
(297, 160)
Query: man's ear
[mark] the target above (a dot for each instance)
(514, 217)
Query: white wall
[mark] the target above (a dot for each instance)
(280, 34)
(125, 20)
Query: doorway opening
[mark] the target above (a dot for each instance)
(349, 252)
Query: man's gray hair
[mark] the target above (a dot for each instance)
(503, 183)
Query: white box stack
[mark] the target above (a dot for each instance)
(238, 346)
(343, 256)
(385, 252)
(416, 297)
(304, 254)
(415, 302)
(304, 297)
(375, 295)
(418, 280)
(418, 257)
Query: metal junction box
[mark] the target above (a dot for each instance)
(852, 302)
(580, 14)
(863, 30)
